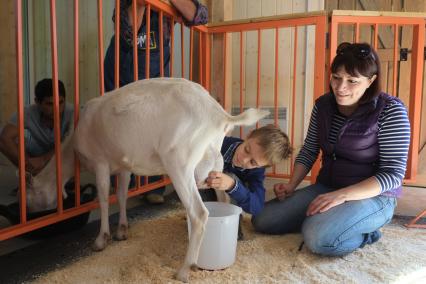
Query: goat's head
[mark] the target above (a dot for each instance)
(41, 193)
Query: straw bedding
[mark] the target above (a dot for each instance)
(156, 248)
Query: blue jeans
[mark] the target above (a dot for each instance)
(338, 231)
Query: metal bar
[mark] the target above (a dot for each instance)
(135, 42)
(259, 60)
(293, 97)
(161, 44)
(263, 24)
(225, 35)
(172, 45)
(319, 76)
(182, 50)
(376, 36)
(148, 39)
(200, 58)
(56, 126)
(412, 223)
(415, 103)
(100, 49)
(274, 170)
(241, 77)
(356, 32)
(76, 100)
(207, 60)
(117, 45)
(395, 60)
(191, 51)
(20, 112)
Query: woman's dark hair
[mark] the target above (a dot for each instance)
(359, 59)
(44, 89)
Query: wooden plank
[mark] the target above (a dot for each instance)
(267, 70)
(8, 88)
(285, 51)
(343, 12)
(386, 35)
(221, 11)
(239, 9)
(331, 5)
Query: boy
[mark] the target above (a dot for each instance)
(244, 167)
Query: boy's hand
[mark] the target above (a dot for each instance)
(220, 181)
(283, 190)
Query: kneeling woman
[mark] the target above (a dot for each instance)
(364, 136)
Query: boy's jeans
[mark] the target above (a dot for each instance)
(338, 231)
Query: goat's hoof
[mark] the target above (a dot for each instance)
(183, 275)
(122, 232)
(101, 242)
(194, 267)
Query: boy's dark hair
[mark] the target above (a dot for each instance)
(274, 142)
(44, 89)
(359, 59)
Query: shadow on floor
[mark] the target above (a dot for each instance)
(52, 253)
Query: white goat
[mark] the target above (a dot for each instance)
(150, 127)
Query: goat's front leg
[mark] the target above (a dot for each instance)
(123, 226)
(184, 183)
(103, 185)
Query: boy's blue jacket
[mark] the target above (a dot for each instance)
(249, 192)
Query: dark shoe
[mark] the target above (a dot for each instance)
(240, 229)
(154, 198)
(13, 192)
(371, 238)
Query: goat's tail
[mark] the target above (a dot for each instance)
(248, 117)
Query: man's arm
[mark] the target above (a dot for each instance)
(8, 145)
(186, 7)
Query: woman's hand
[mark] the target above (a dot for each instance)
(220, 181)
(283, 190)
(323, 202)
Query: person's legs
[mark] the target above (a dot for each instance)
(348, 226)
(287, 216)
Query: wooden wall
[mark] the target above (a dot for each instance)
(88, 44)
(7, 61)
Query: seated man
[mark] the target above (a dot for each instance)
(245, 162)
(38, 128)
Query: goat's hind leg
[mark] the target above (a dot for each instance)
(183, 180)
(103, 184)
(123, 226)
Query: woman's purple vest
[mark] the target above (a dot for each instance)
(355, 155)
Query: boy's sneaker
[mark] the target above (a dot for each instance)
(154, 198)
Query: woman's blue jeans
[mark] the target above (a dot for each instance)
(338, 231)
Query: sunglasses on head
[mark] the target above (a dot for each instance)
(360, 50)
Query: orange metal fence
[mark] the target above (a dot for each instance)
(411, 96)
(291, 29)
(61, 214)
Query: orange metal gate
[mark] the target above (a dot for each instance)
(281, 92)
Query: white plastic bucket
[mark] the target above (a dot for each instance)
(219, 244)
